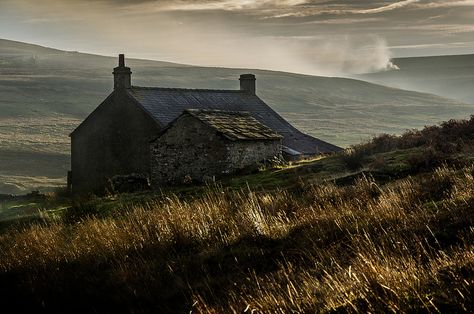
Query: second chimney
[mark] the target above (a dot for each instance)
(247, 83)
(122, 75)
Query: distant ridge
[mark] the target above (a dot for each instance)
(64, 57)
(461, 59)
(449, 76)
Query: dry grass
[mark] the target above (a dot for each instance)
(406, 246)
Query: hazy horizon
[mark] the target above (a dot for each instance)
(302, 36)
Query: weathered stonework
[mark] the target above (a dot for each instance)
(243, 154)
(190, 149)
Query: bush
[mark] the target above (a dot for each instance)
(354, 158)
(427, 160)
(440, 143)
(448, 137)
(383, 143)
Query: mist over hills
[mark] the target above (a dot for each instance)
(447, 76)
(45, 93)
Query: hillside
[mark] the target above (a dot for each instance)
(384, 228)
(447, 76)
(45, 93)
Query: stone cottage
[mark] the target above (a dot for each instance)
(204, 143)
(115, 138)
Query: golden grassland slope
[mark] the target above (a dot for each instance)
(404, 246)
(394, 232)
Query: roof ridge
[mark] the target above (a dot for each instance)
(189, 89)
(232, 112)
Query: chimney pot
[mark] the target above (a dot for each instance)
(121, 60)
(247, 83)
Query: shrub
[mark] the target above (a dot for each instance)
(448, 137)
(426, 160)
(354, 158)
(383, 143)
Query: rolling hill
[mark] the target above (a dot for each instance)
(45, 93)
(447, 76)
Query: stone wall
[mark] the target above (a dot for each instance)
(242, 154)
(192, 150)
(187, 149)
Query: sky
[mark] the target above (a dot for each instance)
(321, 37)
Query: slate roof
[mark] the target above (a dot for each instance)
(235, 125)
(166, 104)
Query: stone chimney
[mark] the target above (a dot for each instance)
(122, 74)
(247, 83)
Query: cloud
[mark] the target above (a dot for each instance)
(202, 5)
(389, 7)
(261, 8)
(447, 4)
(342, 9)
(325, 37)
(344, 21)
(236, 4)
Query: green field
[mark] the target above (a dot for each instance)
(46, 93)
